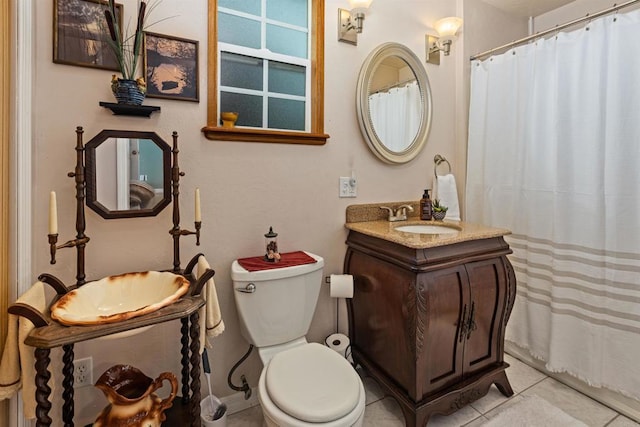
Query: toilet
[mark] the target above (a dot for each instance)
(301, 384)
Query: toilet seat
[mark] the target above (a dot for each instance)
(312, 383)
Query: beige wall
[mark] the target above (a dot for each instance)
(245, 187)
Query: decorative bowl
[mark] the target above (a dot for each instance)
(117, 298)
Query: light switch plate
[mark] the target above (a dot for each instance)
(348, 187)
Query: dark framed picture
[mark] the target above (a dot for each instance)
(171, 67)
(80, 34)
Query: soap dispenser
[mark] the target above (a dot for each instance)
(426, 208)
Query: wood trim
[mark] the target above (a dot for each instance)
(5, 127)
(317, 136)
(5, 117)
(317, 68)
(212, 63)
(260, 135)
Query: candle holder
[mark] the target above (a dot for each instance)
(176, 231)
(81, 239)
(53, 247)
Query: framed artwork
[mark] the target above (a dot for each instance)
(80, 34)
(171, 67)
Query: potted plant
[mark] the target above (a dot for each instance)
(439, 210)
(127, 49)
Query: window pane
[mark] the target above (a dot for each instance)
(239, 31)
(286, 114)
(286, 41)
(248, 107)
(292, 12)
(240, 71)
(287, 78)
(248, 6)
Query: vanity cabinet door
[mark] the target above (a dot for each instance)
(447, 302)
(483, 342)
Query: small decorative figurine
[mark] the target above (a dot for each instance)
(271, 241)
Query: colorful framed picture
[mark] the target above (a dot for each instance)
(80, 34)
(171, 67)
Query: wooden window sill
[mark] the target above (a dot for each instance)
(262, 135)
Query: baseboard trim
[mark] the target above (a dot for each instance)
(236, 402)
(616, 401)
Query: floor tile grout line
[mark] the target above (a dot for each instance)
(511, 397)
(612, 420)
(532, 385)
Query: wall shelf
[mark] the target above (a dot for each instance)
(129, 110)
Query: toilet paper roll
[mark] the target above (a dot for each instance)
(341, 286)
(338, 343)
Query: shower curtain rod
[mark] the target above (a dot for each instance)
(399, 84)
(557, 28)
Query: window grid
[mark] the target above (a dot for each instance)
(266, 55)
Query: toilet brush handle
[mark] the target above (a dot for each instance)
(205, 362)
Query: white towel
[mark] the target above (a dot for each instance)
(447, 193)
(211, 323)
(17, 364)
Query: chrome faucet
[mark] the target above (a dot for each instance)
(400, 214)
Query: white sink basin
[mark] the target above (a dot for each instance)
(427, 229)
(118, 298)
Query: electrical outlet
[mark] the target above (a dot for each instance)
(83, 372)
(347, 187)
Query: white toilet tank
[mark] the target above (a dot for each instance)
(281, 306)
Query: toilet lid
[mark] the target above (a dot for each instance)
(312, 383)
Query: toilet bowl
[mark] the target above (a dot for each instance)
(302, 384)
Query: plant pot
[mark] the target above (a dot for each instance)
(439, 216)
(127, 92)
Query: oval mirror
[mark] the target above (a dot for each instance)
(394, 103)
(128, 174)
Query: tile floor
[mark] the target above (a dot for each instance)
(525, 381)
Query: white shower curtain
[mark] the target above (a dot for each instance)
(554, 155)
(396, 115)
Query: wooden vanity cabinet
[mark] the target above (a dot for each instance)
(428, 324)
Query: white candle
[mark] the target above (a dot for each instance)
(198, 212)
(53, 214)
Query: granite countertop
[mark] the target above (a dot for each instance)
(371, 220)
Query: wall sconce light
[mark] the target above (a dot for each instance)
(447, 29)
(350, 21)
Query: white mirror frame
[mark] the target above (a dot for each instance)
(369, 67)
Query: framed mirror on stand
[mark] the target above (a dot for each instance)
(128, 174)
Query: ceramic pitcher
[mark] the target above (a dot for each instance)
(132, 402)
